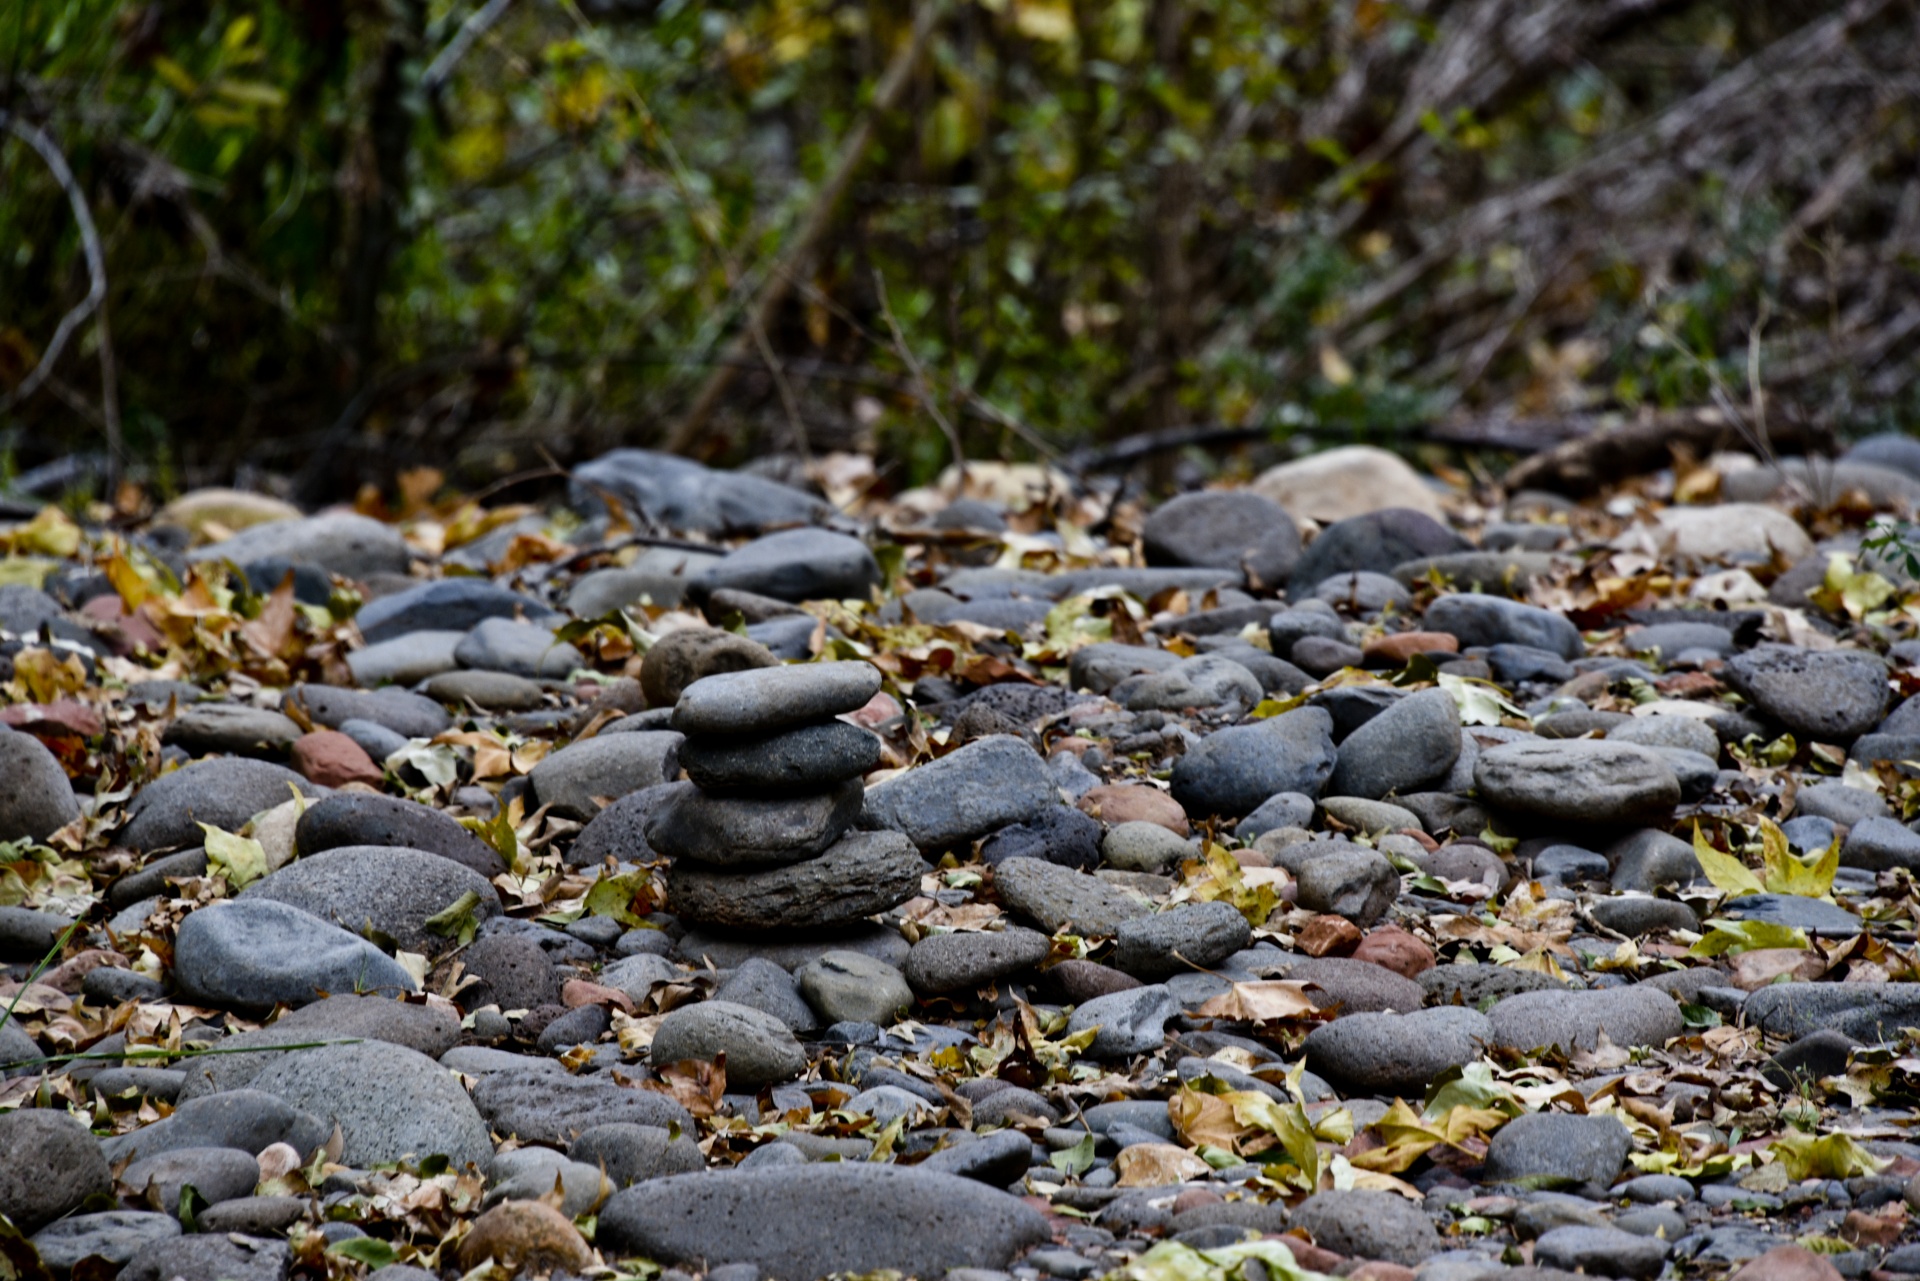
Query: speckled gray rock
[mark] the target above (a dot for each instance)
(1146, 847)
(1231, 771)
(1601, 1251)
(446, 605)
(766, 699)
(1369, 1225)
(1472, 984)
(1061, 898)
(114, 1235)
(406, 659)
(750, 832)
(1186, 937)
(393, 889)
(1493, 620)
(1827, 696)
(229, 1257)
(760, 1049)
(633, 1154)
(344, 543)
(793, 565)
(861, 874)
(355, 818)
(964, 960)
(1574, 1020)
(231, 728)
(1131, 1022)
(1205, 680)
(38, 799)
(989, 784)
(246, 1119)
(1406, 748)
(1397, 1053)
(851, 987)
(755, 982)
(1348, 881)
(805, 1221)
(1580, 1149)
(1224, 529)
(524, 649)
(166, 813)
(1866, 1012)
(402, 711)
(49, 1164)
(254, 953)
(217, 1174)
(389, 1102)
(574, 779)
(1578, 781)
(540, 1105)
(1651, 859)
(810, 758)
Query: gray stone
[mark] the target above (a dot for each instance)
(1601, 1251)
(406, 659)
(861, 874)
(113, 1235)
(1060, 898)
(539, 1105)
(1129, 1023)
(1232, 771)
(1878, 844)
(1397, 1054)
(1795, 910)
(1577, 1149)
(691, 654)
(1827, 696)
(700, 946)
(1669, 731)
(1375, 541)
(850, 987)
(522, 649)
(1363, 592)
(810, 758)
(512, 972)
(224, 793)
(603, 591)
(49, 1164)
(819, 1218)
(1369, 818)
(355, 818)
(1578, 781)
(24, 609)
(246, 1119)
(1651, 859)
(1206, 680)
(1628, 1016)
(29, 935)
(758, 984)
(794, 565)
(1348, 881)
(1840, 803)
(389, 1102)
(343, 543)
(1224, 529)
(38, 800)
(990, 783)
(488, 691)
(431, 1030)
(446, 605)
(1358, 987)
(391, 888)
(633, 1154)
(766, 699)
(1507, 570)
(1104, 664)
(760, 1049)
(1868, 1012)
(1283, 809)
(965, 960)
(1406, 748)
(1061, 834)
(229, 1257)
(1147, 847)
(256, 1216)
(1636, 914)
(679, 493)
(1186, 937)
(402, 711)
(1368, 1225)
(619, 831)
(751, 832)
(1471, 984)
(528, 1174)
(231, 728)
(1494, 620)
(996, 1159)
(254, 953)
(217, 1174)
(1669, 639)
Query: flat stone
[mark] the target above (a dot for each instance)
(113, 1235)
(390, 1102)
(814, 1219)
(1397, 1054)
(573, 779)
(1479, 619)
(231, 728)
(1728, 530)
(488, 691)
(394, 889)
(758, 984)
(1148, 847)
(851, 987)
(1060, 898)
(807, 759)
(1189, 936)
(352, 818)
(252, 954)
(763, 700)
(1571, 1021)
(1368, 1225)
(964, 960)
(1650, 859)
(794, 565)
(247, 1119)
(512, 972)
(217, 1174)
(446, 605)
(1868, 1012)
(543, 1106)
(990, 783)
(1578, 781)
(1231, 771)
(406, 659)
(682, 494)
(38, 800)
(1801, 913)
(700, 946)
(620, 830)
(1578, 1149)
(1471, 984)
(861, 874)
(1601, 1251)
(1102, 665)
(224, 793)
(431, 1030)
(1130, 1022)
(343, 543)
(402, 711)
(743, 833)
(229, 1257)
(1827, 696)
(760, 1049)
(1061, 834)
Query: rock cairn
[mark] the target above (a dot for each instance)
(761, 833)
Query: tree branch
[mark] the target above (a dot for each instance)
(49, 152)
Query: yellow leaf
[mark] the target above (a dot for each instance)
(1728, 874)
(45, 677)
(175, 75)
(1259, 1001)
(1787, 874)
(1050, 20)
(1334, 367)
(251, 93)
(238, 32)
(50, 533)
(1832, 1156)
(1746, 936)
(1154, 1165)
(241, 859)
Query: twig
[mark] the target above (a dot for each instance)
(477, 24)
(792, 406)
(49, 152)
(791, 264)
(922, 390)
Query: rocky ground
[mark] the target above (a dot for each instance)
(1344, 874)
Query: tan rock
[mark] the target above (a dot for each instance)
(230, 509)
(1116, 803)
(1350, 481)
(1398, 647)
(1788, 1263)
(1729, 529)
(525, 1235)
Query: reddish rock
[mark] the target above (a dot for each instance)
(1328, 935)
(1251, 858)
(525, 1234)
(1194, 1198)
(1380, 1270)
(1114, 803)
(1392, 948)
(575, 993)
(1788, 1263)
(1310, 1256)
(1077, 982)
(331, 759)
(879, 709)
(1396, 649)
(62, 716)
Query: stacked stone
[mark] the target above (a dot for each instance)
(761, 833)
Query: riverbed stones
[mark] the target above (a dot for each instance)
(760, 1049)
(1232, 771)
(1408, 747)
(1576, 1149)
(49, 1165)
(964, 960)
(391, 889)
(1578, 781)
(251, 955)
(1224, 529)
(1570, 1021)
(991, 783)
(1397, 1054)
(224, 792)
(38, 800)
(1826, 696)
(860, 875)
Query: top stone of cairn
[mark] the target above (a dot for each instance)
(765, 699)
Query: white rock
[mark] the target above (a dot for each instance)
(1350, 481)
(1732, 529)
